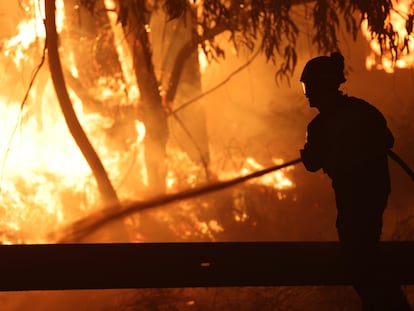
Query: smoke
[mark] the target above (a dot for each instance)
(253, 116)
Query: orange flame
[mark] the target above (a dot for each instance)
(44, 179)
(385, 62)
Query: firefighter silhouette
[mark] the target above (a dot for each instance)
(349, 140)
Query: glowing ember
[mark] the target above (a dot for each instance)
(385, 62)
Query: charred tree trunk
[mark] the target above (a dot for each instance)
(107, 192)
(135, 22)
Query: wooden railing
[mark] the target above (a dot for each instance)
(162, 265)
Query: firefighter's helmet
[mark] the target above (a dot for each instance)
(324, 69)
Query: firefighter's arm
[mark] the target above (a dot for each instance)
(312, 154)
(310, 158)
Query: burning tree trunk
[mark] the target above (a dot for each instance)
(135, 21)
(105, 188)
(183, 83)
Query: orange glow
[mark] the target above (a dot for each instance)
(202, 60)
(124, 54)
(385, 62)
(45, 181)
(277, 180)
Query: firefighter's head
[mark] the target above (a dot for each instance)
(322, 77)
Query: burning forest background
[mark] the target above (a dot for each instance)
(231, 115)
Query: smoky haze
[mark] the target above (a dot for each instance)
(253, 116)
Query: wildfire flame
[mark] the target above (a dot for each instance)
(385, 62)
(277, 179)
(42, 170)
(45, 181)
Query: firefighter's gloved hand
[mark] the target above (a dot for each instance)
(311, 162)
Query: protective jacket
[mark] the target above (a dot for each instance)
(350, 143)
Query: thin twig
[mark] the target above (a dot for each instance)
(218, 85)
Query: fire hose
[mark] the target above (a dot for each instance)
(401, 163)
(90, 224)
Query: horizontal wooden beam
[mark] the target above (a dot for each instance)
(163, 265)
